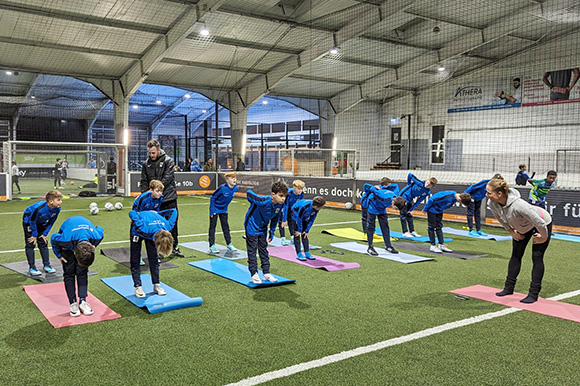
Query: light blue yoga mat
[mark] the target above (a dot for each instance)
(236, 272)
(224, 252)
(400, 257)
(399, 235)
(560, 236)
(155, 304)
(461, 232)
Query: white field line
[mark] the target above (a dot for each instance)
(288, 371)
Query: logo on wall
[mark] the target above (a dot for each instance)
(204, 181)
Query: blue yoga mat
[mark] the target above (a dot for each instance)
(560, 236)
(237, 272)
(399, 235)
(461, 232)
(155, 304)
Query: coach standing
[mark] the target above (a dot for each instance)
(160, 167)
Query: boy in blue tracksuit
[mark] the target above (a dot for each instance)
(477, 192)
(304, 213)
(37, 222)
(385, 183)
(263, 210)
(218, 207)
(155, 228)
(414, 193)
(379, 201)
(434, 208)
(151, 199)
(295, 194)
(74, 245)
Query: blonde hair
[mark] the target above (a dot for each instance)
(230, 175)
(164, 242)
(499, 185)
(497, 176)
(298, 184)
(433, 181)
(52, 195)
(156, 184)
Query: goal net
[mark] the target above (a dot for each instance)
(318, 162)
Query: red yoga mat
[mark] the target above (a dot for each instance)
(541, 306)
(52, 301)
(289, 253)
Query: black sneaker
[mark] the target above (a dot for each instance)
(177, 253)
(391, 250)
(371, 251)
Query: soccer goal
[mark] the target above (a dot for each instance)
(318, 162)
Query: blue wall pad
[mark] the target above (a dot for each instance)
(277, 242)
(155, 304)
(236, 272)
(559, 236)
(203, 247)
(400, 257)
(399, 235)
(461, 232)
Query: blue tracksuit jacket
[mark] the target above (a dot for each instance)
(291, 199)
(39, 215)
(261, 212)
(221, 198)
(364, 198)
(477, 190)
(415, 189)
(72, 231)
(380, 200)
(146, 202)
(147, 224)
(440, 201)
(303, 212)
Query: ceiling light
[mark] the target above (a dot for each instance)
(9, 73)
(204, 31)
(203, 111)
(264, 102)
(32, 97)
(334, 50)
(441, 68)
(187, 96)
(135, 107)
(158, 102)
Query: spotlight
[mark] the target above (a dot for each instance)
(135, 107)
(203, 111)
(158, 102)
(264, 102)
(32, 97)
(204, 31)
(9, 73)
(441, 68)
(187, 96)
(334, 50)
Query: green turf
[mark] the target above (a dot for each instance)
(239, 332)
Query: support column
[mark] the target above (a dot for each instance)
(121, 118)
(238, 124)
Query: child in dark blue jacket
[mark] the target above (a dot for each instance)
(218, 207)
(434, 208)
(304, 213)
(477, 192)
(385, 183)
(414, 193)
(74, 245)
(151, 199)
(295, 194)
(37, 222)
(263, 210)
(379, 200)
(155, 228)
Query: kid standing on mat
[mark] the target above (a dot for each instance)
(263, 210)
(294, 194)
(218, 207)
(151, 199)
(414, 193)
(477, 192)
(74, 245)
(541, 188)
(155, 228)
(304, 213)
(37, 222)
(385, 183)
(434, 208)
(379, 201)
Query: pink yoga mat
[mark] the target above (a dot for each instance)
(542, 306)
(289, 253)
(51, 300)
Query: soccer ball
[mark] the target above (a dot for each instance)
(118, 206)
(348, 205)
(94, 210)
(109, 206)
(72, 182)
(93, 205)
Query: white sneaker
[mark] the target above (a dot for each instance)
(269, 277)
(159, 290)
(86, 309)
(415, 234)
(256, 278)
(444, 248)
(139, 292)
(435, 249)
(74, 309)
(407, 234)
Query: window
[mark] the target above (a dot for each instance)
(438, 145)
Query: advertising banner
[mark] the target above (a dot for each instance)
(487, 95)
(185, 183)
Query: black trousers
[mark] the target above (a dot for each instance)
(225, 227)
(72, 270)
(407, 218)
(289, 224)
(383, 223)
(297, 239)
(474, 210)
(515, 264)
(435, 226)
(172, 205)
(29, 248)
(135, 260)
(259, 244)
(364, 214)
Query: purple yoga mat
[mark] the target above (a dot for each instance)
(288, 253)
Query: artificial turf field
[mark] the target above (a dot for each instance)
(239, 332)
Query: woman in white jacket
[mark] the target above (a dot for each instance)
(524, 222)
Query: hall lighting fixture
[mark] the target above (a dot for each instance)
(244, 145)
(204, 31)
(158, 102)
(264, 102)
(441, 68)
(32, 97)
(334, 50)
(203, 111)
(187, 96)
(9, 73)
(126, 137)
(135, 107)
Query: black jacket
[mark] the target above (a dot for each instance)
(161, 169)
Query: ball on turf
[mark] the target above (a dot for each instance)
(109, 206)
(72, 182)
(118, 206)
(93, 205)
(348, 205)
(94, 210)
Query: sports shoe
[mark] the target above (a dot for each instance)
(141, 262)
(74, 309)
(444, 248)
(213, 249)
(300, 256)
(473, 233)
(159, 290)
(391, 250)
(435, 249)
(139, 292)
(269, 277)
(86, 309)
(415, 234)
(256, 278)
(34, 272)
(371, 251)
(481, 233)
(285, 241)
(231, 247)
(177, 253)
(529, 299)
(408, 234)
(49, 269)
(504, 292)
(309, 256)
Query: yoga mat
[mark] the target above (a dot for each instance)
(289, 253)
(560, 236)
(400, 257)
(123, 256)
(236, 272)
(22, 268)
(425, 248)
(399, 235)
(203, 247)
(277, 242)
(461, 232)
(174, 300)
(52, 301)
(351, 233)
(541, 306)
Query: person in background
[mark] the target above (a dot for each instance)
(208, 167)
(477, 192)
(187, 166)
(56, 173)
(522, 177)
(541, 188)
(15, 173)
(195, 166)
(240, 166)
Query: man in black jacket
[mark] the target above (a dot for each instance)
(160, 167)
